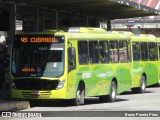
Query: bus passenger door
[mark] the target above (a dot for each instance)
(71, 75)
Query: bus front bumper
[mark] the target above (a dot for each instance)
(35, 94)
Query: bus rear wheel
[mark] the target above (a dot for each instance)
(142, 87)
(143, 84)
(112, 94)
(79, 97)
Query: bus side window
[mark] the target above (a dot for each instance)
(123, 51)
(144, 51)
(129, 50)
(158, 51)
(113, 51)
(152, 51)
(104, 52)
(83, 52)
(136, 51)
(93, 51)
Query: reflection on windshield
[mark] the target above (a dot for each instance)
(38, 60)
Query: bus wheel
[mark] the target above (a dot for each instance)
(79, 97)
(112, 95)
(113, 92)
(142, 87)
(143, 84)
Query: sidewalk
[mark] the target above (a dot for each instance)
(7, 104)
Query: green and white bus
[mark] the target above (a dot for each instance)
(83, 62)
(158, 45)
(144, 58)
(144, 62)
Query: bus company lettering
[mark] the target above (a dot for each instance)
(138, 70)
(86, 74)
(109, 73)
(104, 75)
(38, 39)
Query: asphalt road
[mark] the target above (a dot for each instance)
(128, 106)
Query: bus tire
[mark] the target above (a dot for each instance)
(112, 94)
(79, 100)
(142, 87)
(143, 84)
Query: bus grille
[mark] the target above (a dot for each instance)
(35, 84)
(42, 94)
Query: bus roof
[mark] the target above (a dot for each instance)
(88, 33)
(86, 30)
(158, 39)
(143, 38)
(125, 32)
(91, 33)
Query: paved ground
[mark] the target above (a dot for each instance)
(126, 102)
(147, 103)
(6, 104)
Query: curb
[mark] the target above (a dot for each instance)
(13, 105)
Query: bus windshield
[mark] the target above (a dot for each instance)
(38, 56)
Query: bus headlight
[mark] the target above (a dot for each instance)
(13, 85)
(60, 84)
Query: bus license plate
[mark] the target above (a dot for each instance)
(35, 93)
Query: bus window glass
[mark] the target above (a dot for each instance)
(136, 51)
(123, 51)
(38, 56)
(104, 52)
(159, 50)
(129, 50)
(113, 50)
(71, 57)
(83, 52)
(144, 51)
(93, 52)
(152, 51)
